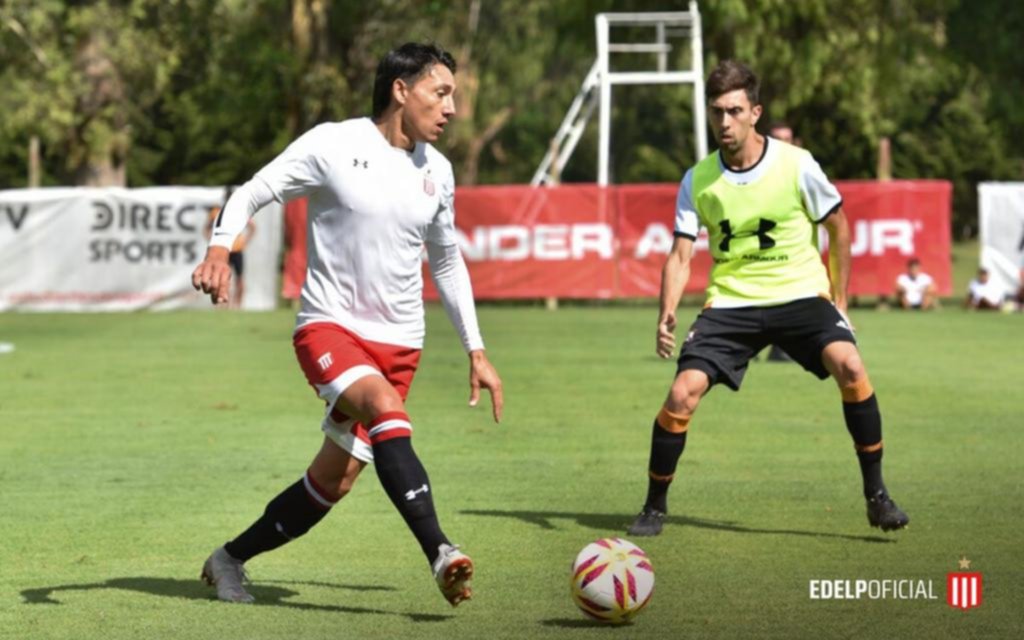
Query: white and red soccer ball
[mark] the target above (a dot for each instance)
(612, 580)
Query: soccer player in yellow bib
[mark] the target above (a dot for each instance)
(761, 201)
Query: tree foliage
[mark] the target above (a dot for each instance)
(206, 91)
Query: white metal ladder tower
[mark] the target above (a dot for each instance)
(596, 90)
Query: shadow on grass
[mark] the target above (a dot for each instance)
(616, 521)
(266, 594)
(581, 623)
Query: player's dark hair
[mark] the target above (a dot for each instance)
(730, 75)
(407, 63)
(913, 262)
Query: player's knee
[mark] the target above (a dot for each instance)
(853, 381)
(384, 403)
(682, 401)
(850, 370)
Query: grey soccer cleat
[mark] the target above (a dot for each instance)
(227, 574)
(884, 514)
(453, 570)
(648, 523)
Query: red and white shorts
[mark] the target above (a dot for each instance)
(333, 358)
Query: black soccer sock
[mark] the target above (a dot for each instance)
(668, 439)
(864, 422)
(288, 516)
(405, 480)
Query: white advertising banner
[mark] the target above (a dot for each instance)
(1001, 224)
(114, 249)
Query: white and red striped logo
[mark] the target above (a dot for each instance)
(963, 590)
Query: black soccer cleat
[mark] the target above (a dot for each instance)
(648, 523)
(884, 514)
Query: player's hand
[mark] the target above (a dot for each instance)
(666, 342)
(483, 374)
(213, 275)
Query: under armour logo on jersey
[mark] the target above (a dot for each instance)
(412, 493)
(763, 227)
(356, 162)
(325, 361)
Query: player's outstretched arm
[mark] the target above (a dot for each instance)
(674, 276)
(213, 275)
(482, 374)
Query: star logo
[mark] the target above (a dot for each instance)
(963, 588)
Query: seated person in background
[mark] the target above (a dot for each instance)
(984, 293)
(915, 289)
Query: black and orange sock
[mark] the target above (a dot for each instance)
(864, 422)
(288, 516)
(668, 439)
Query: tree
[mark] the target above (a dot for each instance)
(207, 91)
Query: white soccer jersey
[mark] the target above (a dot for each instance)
(914, 288)
(820, 196)
(372, 207)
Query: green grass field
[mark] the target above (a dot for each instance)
(132, 445)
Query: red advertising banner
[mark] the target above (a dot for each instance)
(892, 222)
(522, 242)
(645, 232)
(582, 241)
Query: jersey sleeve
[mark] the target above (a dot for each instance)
(687, 220)
(301, 168)
(237, 212)
(821, 198)
(442, 229)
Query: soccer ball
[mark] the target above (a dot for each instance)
(612, 580)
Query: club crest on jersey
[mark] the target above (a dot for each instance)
(428, 186)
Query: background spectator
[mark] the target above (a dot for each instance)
(915, 289)
(984, 293)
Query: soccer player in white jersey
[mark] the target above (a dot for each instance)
(761, 201)
(378, 193)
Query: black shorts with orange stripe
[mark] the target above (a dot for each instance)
(722, 342)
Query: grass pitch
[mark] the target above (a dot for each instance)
(131, 445)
